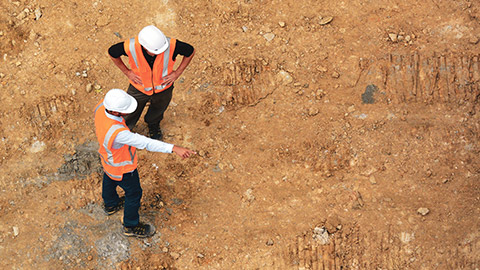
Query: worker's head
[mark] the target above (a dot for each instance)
(153, 40)
(119, 103)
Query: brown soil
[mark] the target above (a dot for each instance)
(344, 143)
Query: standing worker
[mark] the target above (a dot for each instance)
(151, 57)
(119, 159)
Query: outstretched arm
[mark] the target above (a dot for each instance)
(141, 142)
(183, 152)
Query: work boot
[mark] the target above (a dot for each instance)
(155, 132)
(113, 209)
(142, 230)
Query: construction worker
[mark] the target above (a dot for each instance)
(119, 160)
(151, 56)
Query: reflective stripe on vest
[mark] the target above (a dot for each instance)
(98, 106)
(115, 162)
(109, 160)
(113, 175)
(133, 52)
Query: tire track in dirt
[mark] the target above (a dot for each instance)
(48, 112)
(440, 78)
(247, 82)
(345, 249)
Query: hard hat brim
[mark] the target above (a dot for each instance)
(158, 51)
(132, 106)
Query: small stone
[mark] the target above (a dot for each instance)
(165, 249)
(372, 180)
(400, 38)
(321, 235)
(90, 257)
(269, 36)
(335, 75)
(200, 255)
(175, 255)
(445, 180)
(285, 77)
(322, 69)
(473, 40)
(244, 28)
(351, 109)
(32, 35)
(325, 20)
(89, 88)
(282, 24)
(423, 211)
(248, 195)
(38, 13)
(22, 15)
(313, 111)
(406, 237)
(408, 38)
(393, 37)
(15, 231)
(269, 242)
(319, 94)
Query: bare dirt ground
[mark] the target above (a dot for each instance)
(331, 135)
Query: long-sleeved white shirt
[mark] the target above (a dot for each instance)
(138, 141)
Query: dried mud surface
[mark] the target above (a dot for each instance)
(331, 135)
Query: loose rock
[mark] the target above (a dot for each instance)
(269, 36)
(473, 40)
(313, 111)
(175, 255)
(285, 77)
(325, 20)
(321, 235)
(406, 237)
(423, 211)
(89, 88)
(248, 195)
(393, 37)
(38, 14)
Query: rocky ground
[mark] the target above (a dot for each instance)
(331, 135)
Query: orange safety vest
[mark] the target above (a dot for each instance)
(115, 162)
(151, 79)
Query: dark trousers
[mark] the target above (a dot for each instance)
(133, 193)
(158, 105)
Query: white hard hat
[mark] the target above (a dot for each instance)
(152, 39)
(117, 100)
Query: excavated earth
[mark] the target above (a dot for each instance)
(330, 135)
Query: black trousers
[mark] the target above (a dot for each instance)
(133, 193)
(158, 105)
